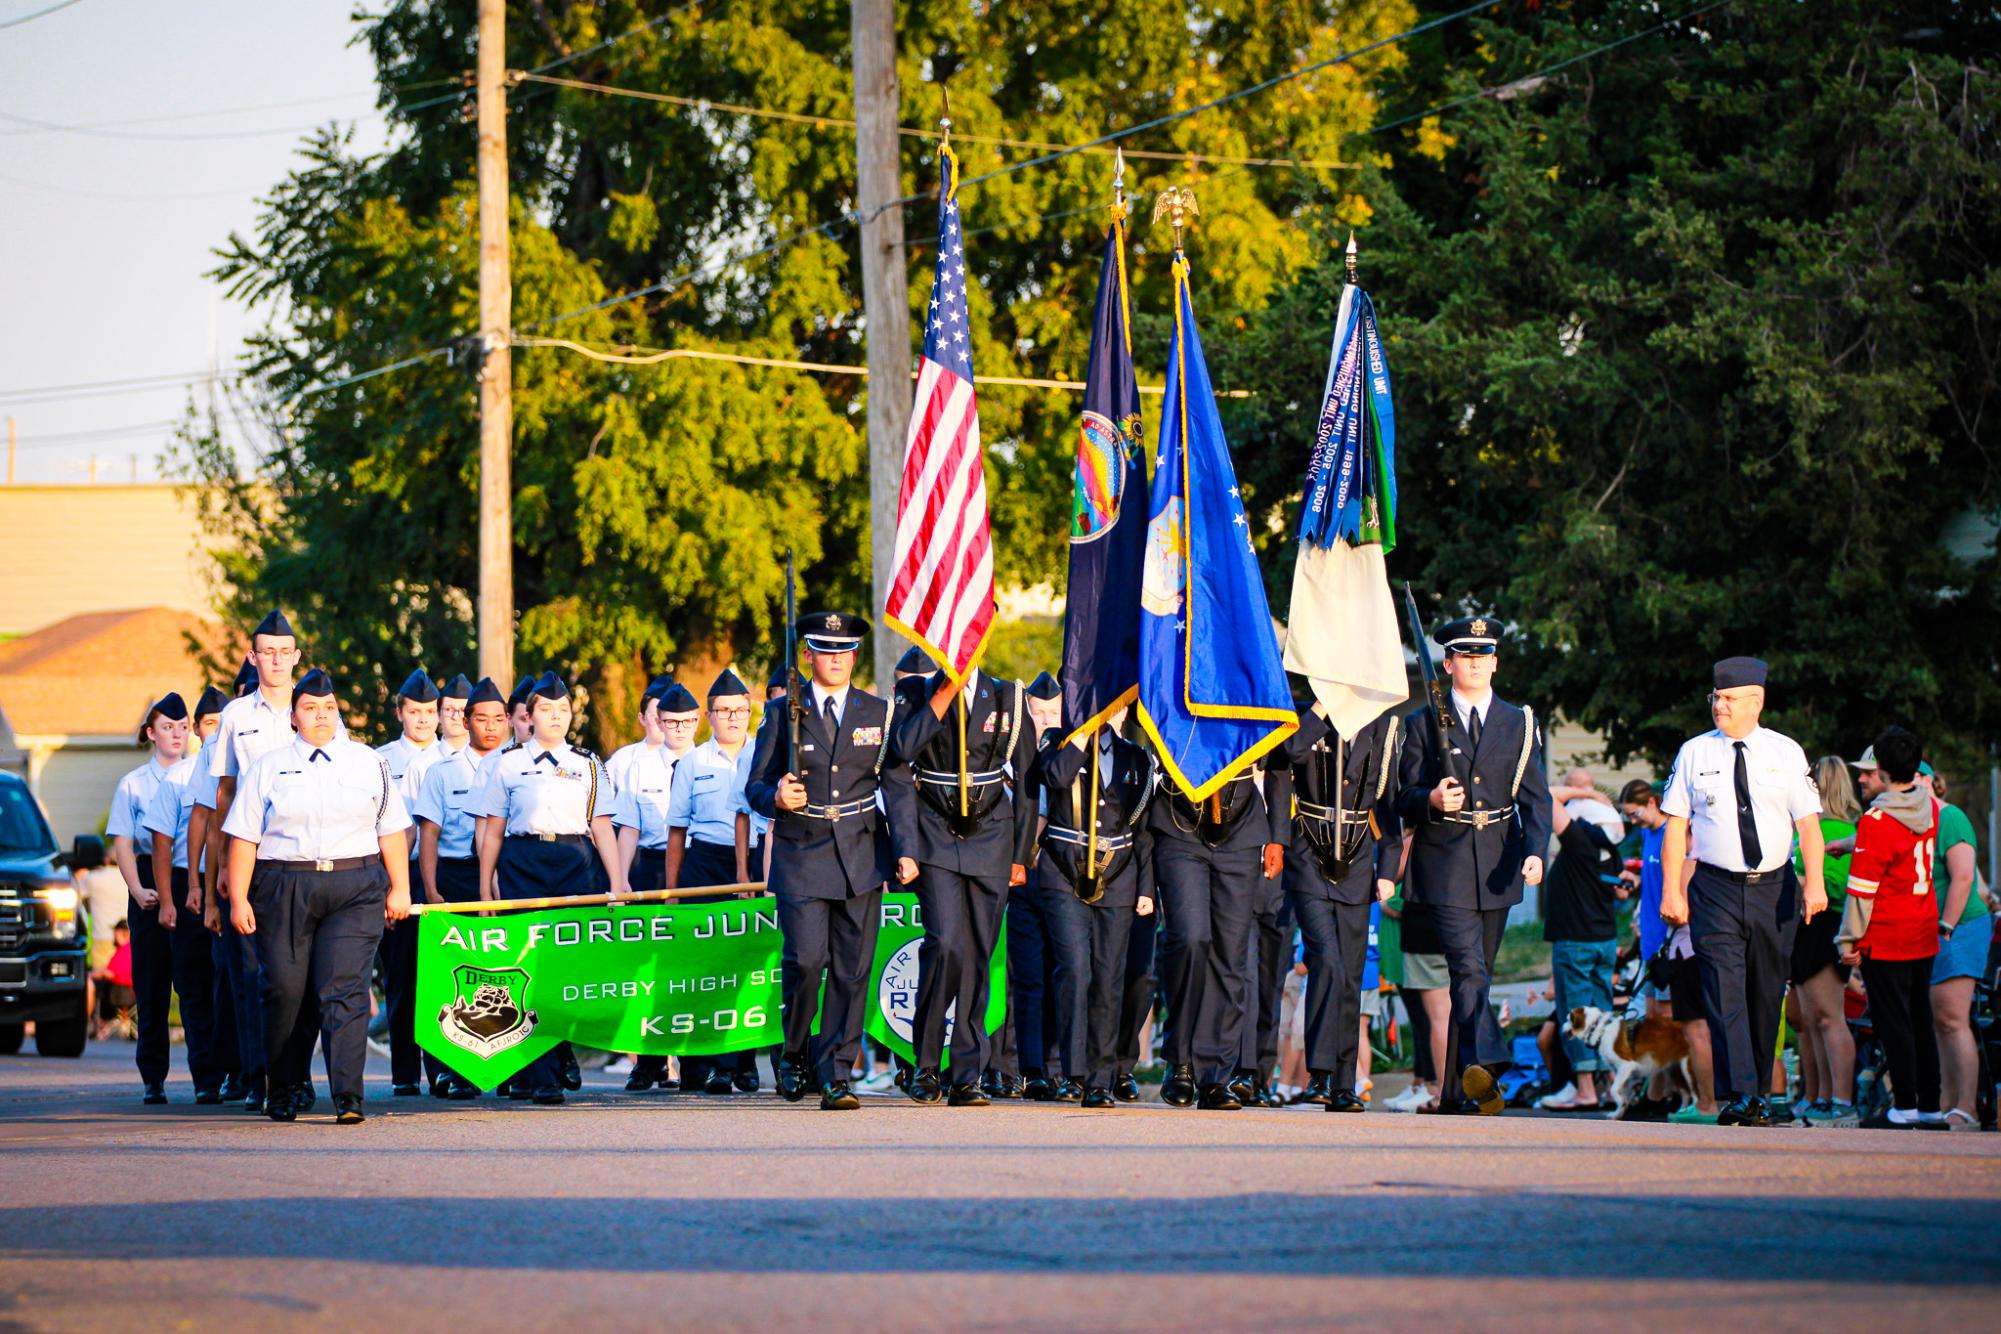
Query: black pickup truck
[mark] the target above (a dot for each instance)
(44, 943)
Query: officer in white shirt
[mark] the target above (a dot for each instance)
(409, 756)
(1733, 803)
(545, 832)
(447, 820)
(319, 854)
(452, 697)
(708, 843)
(652, 734)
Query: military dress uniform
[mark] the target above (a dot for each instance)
(1208, 861)
(829, 861)
(642, 775)
(1466, 866)
(546, 798)
(408, 763)
(1028, 1049)
(1346, 836)
(316, 815)
(1741, 798)
(1090, 939)
(225, 1048)
(963, 864)
(1267, 959)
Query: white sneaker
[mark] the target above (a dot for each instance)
(882, 1081)
(1409, 1100)
(621, 1066)
(1566, 1094)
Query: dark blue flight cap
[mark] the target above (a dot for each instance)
(486, 692)
(780, 678)
(419, 688)
(1044, 687)
(1734, 672)
(274, 624)
(728, 683)
(548, 686)
(170, 706)
(678, 700)
(457, 688)
(520, 695)
(211, 701)
(913, 663)
(314, 683)
(246, 678)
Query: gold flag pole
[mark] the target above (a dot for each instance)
(585, 900)
(1091, 832)
(965, 779)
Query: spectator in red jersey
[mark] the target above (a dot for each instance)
(110, 987)
(1891, 928)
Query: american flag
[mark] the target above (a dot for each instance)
(943, 593)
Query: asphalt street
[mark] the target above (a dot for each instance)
(671, 1210)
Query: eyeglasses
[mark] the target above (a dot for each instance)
(680, 722)
(1731, 700)
(743, 712)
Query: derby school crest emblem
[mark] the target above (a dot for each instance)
(488, 1012)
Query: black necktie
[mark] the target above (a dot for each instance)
(1473, 727)
(318, 755)
(833, 719)
(1747, 824)
(548, 757)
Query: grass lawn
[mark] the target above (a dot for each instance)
(1524, 954)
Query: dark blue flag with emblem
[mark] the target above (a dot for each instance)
(1212, 693)
(1107, 536)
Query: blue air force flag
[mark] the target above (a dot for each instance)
(1211, 692)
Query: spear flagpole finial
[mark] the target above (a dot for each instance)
(1119, 182)
(1353, 253)
(945, 120)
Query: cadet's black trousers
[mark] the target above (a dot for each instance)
(399, 990)
(1470, 939)
(1337, 947)
(532, 868)
(1742, 930)
(649, 872)
(322, 928)
(1031, 942)
(1137, 999)
(834, 940)
(1207, 897)
(1087, 991)
(165, 963)
(244, 977)
(962, 916)
(1267, 961)
(703, 864)
(458, 882)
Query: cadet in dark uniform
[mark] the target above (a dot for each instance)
(1481, 820)
(963, 864)
(1346, 846)
(447, 825)
(409, 757)
(319, 835)
(708, 843)
(1091, 905)
(830, 849)
(545, 832)
(1028, 1053)
(1267, 960)
(1208, 860)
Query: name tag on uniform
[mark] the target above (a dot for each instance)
(705, 778)
(866, 736)
(461, 791)
(805, 745)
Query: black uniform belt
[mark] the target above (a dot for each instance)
(945, 778)
(654, 854)
(840, 811)
(574, 840)
(1745, 877)
(321, 864)
(1332, 814)
(1479, 819)
(1057, 833)
(451, 861)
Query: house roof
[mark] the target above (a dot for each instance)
(96, 674)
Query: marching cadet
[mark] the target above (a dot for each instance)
(1137, 1000)
(409, 757)
(545, 829)
(644, 785)
(1734, 800)
(517, 711)
(223, 1048)
(1031, 1047)
(1481, 817)
(1267, 959)
(964, 858)
(1346, 846)
(708, 843)
(452, 697)
(165, 960)
(1208, 861)
(445, 811)
(1092, 895)
(760, 828)
(830, 854)
(318, 860)
(236, 1034)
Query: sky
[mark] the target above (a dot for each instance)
(104, 235)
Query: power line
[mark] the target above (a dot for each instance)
(189, 378)
(119, 197)
(40, 13)
(41, 127)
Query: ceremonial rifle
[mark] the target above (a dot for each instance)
(1434, 692)
(794, 684)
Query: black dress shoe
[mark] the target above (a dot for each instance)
(1035, 1088)
(154, 1096)
(573, 1074)
(1244, 1088)
(746, 1080)
(441, 1087)
(463, 1090)
(1320, 1092)
(405, 1091)
(518, 1091)
(1009, 1086)
(718, 1082)
(1346, 1101)
(840, 1097)
(279, 1104)
(232, 1088)
(1267, 1096)
(1178, 1090)
(1099, 1097)
(637, 1082)
(208, 1097)
(1125, 1088)
(253, 1103)
(303, 1097)
(1743, 1112)
(791, 1079)
(1067, 1090)
(902, 1077)
(926, 1087)
(1220, 1098)
(990, 1083)
(968, 1095)
(347, 1109)
(552, 1096)
(1452, 1107)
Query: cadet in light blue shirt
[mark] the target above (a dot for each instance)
(409, 757)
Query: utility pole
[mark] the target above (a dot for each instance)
(885, 299)
(496, 368)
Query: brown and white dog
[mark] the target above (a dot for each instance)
(1634, 1053)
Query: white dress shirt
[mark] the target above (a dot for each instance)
(708, 793)
(408, 763)
(1703, 790)
(840, 697)
(644, 794)
(129, 801)
(541, 789)
(448, 797)
(1463, 706)
(306, 803)
(172, 803)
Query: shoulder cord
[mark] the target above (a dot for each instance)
(382, 807)
(1146, 791)
(1014, 732)
(888, 717)
(1388, 757)
(1528, 744)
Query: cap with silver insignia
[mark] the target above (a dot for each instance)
(831, 631)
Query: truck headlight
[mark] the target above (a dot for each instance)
(62, 901)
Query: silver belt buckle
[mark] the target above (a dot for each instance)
(323, 864)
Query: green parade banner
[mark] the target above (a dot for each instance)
(496, 991)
